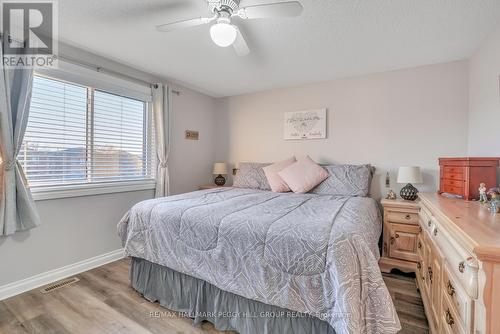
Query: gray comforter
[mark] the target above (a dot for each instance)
(308, 253)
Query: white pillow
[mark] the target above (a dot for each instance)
(303, 175)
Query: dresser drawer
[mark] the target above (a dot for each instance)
(453, 176)
(453, 190)
(450, 322)
(458, 298)
(453, 170)
(453, 183)
(402, 217)
(459, 262)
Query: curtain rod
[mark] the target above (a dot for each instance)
(100, 69)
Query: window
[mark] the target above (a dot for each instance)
(81, 135)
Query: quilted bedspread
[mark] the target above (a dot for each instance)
(308, 253)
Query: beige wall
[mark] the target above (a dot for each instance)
(484, 110)
(405, 117)
(191, 161)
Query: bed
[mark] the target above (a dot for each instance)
(280, 262)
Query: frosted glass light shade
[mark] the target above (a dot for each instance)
(220, 168)
(410, 175)
(223, 33)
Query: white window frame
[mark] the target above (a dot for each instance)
(106, 84)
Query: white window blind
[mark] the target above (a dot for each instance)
(78, 135)
(120, 141)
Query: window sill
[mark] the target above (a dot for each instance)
(79, 190)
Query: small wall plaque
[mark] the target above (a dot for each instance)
(192, 135)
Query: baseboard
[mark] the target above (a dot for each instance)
(39, 280)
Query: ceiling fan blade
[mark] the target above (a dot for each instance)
(240, 45)
(185, 23)
(279, 9)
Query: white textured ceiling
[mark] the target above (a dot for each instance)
(332, 38)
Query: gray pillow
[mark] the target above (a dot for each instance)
(346, 180)
(251, 175)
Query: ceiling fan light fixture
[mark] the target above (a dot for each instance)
(223, 33)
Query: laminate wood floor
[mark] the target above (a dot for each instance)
(103, 302)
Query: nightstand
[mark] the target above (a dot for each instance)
(400, 235)
(209, 186)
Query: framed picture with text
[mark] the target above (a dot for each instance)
(307, 124)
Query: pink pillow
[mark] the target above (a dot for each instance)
(275, 181)
(303, 175)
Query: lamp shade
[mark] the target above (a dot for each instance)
(220, 168)
(409, 175)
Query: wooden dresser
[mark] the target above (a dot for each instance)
(462, 176)
(458, 268)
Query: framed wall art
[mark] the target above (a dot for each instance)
(307, 124)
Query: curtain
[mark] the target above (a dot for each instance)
(161, 112)
(17, 208)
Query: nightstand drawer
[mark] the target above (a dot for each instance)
(403, 242)
(402, 217)
(420, 246)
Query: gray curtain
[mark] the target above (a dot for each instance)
(161, 112)
(17, 208)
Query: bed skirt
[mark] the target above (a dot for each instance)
(200, 301)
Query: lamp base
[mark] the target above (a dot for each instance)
(409, 192)
(220, 180)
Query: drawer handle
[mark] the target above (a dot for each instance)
(396, 235)
(449, 319)
(407, 217)
(392, 240)
(420, 229)
(429, 270)
(429, 223)
(435, 231)
(419, 245)
(461, 267)
(419, 265)
(450, 288)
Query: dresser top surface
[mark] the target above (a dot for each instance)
(472, 218)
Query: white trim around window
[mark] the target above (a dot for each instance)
(90, 189)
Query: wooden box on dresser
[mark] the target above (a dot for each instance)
(458, 268)
(462, 176)
(400, 233)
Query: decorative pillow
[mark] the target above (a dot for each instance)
(346, 180)
(303, 175)
(251, 175)
(275, 181)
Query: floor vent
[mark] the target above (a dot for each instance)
(59, 284)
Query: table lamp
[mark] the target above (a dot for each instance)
(409, 175)
(220, 168)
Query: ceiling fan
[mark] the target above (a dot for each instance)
(223, 32)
